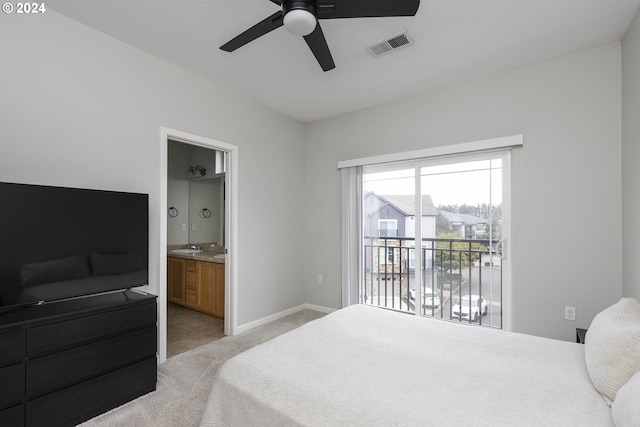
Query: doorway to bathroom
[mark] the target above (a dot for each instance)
(197, 242)
(195, 246)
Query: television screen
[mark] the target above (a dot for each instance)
(58, 243)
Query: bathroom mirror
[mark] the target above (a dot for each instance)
(206, 211)
(195, 194)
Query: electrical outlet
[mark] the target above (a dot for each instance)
(319, 278)
(570, 313)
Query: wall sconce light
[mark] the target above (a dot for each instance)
(197, 171)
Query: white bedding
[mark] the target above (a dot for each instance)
(367, 366)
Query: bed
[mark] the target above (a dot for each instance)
(368, 366)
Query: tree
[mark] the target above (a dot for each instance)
(453, 254)
(443, 225)
(483, 211)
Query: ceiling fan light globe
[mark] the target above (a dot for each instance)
(300, 22)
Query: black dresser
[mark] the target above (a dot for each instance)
(66, 362)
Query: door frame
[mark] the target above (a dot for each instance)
(231, 231)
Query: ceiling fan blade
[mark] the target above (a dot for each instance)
(278, 2)
(260, 29)
(318, 45)
(332, 9)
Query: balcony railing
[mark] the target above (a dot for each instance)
(461, 278)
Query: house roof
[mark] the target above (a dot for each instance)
(406, 204)
(465, 219)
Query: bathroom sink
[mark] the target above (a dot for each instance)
(186, 251)
(220, 256)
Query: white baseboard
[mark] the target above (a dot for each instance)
(280, 315)
(320, 308)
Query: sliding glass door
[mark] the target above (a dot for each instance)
(389, 194)
(459, 207)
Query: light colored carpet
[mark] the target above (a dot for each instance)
(184, 381)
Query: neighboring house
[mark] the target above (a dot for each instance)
(467, 226)
(389, 227)
(394, 215)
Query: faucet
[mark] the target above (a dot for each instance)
(196, 247)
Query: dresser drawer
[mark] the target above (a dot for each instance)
(83, 401)
(12, 347)
(191, 279)
(12, 417)
(55, 371)
(191, 298)
(11, 385)
(69, 333)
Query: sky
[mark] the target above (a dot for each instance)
(468, 183)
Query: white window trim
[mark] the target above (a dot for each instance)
(444, 150)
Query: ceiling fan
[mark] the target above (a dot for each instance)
(301, 17)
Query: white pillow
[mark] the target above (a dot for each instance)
(626, 407)
(612, 347)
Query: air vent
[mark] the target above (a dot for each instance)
(391, 44)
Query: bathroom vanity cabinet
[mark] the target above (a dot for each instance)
(196, 284)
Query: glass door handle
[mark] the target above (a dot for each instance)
(500, 249)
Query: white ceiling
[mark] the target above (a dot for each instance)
(455, 40)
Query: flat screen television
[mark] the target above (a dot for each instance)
(58, 243)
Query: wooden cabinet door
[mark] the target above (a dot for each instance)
(176, 280)
(205, 285)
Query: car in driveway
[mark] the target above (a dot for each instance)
(469, 307)
(431, 297)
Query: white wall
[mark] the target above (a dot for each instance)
(566, 196)
(178, 192)
(78, 108)
(630, 159)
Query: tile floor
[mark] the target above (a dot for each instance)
(188, 329)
